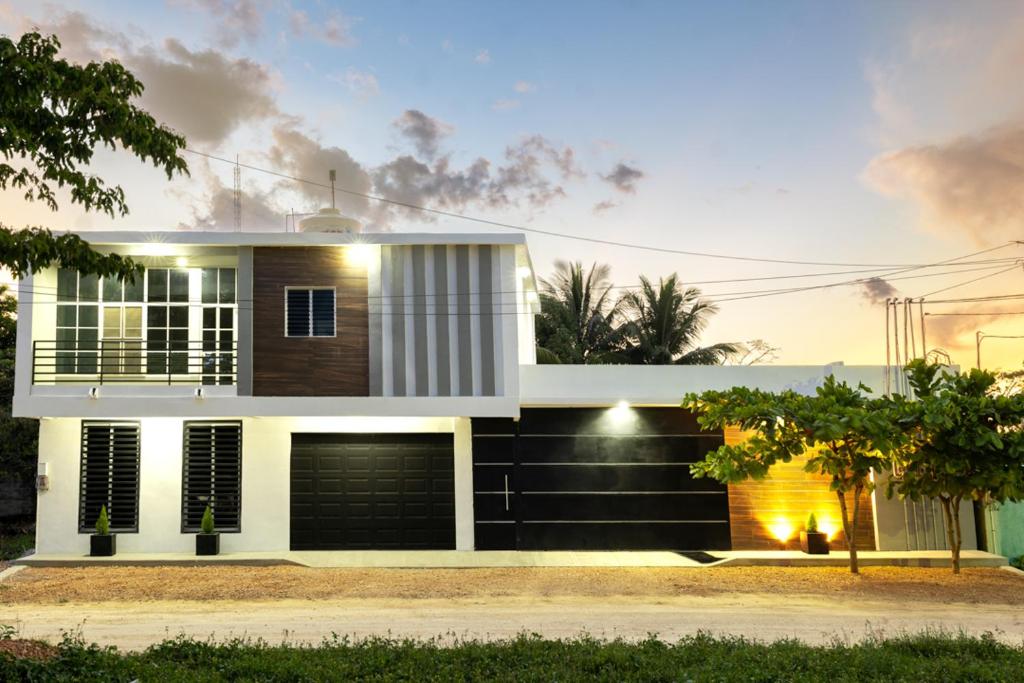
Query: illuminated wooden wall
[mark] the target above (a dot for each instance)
(757, 510)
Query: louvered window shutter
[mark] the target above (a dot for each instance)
(212, 475)
(110, 475)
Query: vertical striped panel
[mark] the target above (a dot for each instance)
(465, 321)
(485, 289)
(397, 299)
(444, 368)
(375, 308)
(419, 321)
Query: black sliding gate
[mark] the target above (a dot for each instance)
(596, 479)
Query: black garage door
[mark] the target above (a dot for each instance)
(596, 479)
(380, 491)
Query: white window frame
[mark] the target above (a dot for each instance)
(334, 310)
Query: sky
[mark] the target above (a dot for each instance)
(876, 133)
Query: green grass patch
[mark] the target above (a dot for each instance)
(15, 545)
(530, 658)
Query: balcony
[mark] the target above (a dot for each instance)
(134, 362)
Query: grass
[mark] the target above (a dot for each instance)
(15, 545)
(932, 657)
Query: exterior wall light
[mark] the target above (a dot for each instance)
(199, 393)
(94, 392)
(181, 262)
(782, 529)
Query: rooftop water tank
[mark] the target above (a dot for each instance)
(329, 219)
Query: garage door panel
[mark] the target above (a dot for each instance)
(625, 536)
(616, 449)
(588, 479)
(365, 491)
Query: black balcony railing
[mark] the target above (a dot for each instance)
(134, 361)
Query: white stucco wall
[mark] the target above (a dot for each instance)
(266, 457)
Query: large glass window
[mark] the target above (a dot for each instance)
(167, 321)
(218, 298)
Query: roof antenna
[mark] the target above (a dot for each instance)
(334, 176)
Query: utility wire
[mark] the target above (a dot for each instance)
(550, 233)
(967, 282)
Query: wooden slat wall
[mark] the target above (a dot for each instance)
(317, 366)
(788, 493)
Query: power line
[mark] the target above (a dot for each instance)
(967, 282)
(551, 233)
(989, 313)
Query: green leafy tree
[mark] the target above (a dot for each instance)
(966, 443)
(578, 319)
(53, 116)
(843, 433)
(664, 325)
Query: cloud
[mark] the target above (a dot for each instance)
(503, 104)
(603, 206)
(483, 57)
(300, 155)
(362, 84)
(447, 46)
(217, 210)
(973, 185)
(877, 290)
(624, 177)
(204, 95)
(524, 87)
(425, 132)
(335, 29)
(236, 19)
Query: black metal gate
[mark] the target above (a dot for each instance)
(596, 479)
(372, 491)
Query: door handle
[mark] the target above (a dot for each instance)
(506, 493)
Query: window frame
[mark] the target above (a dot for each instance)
(185, 527)
(110, 424)
(311, 289)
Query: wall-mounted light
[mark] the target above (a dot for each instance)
(198, 392)
(94, 392)
(827, 527)
(43, 477)
(181, 262)
(156, 249)
(782, 529)
(621, 411)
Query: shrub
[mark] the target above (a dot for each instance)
(206, 525)
(1018, 562)
(103, 522)
(812, 523)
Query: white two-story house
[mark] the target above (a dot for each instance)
(332, 390)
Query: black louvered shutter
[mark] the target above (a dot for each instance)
(212, 475)
(110, 475)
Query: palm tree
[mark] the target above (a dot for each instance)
(664, 325)
(578, 316)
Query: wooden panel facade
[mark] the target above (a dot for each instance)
(786, 497)
(309, 366)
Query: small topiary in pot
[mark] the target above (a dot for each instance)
(102, 543)
(812, 541)
(207, 540)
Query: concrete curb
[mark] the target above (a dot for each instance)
(10, 571)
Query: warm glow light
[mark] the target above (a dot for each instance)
(181, 262)
(827, 527)
(781, 529)
(621, 411)
(157, 249)
(524, 272)
(361, 253)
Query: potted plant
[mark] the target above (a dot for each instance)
(812, 541)
(207, 540)
(102, 543)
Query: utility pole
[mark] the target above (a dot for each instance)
(238, 196)
(978, 336)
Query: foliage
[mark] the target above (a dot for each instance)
(206, 524)
(664, 324)
(578, 316)
(702, 657)
(53, 116)
(103, 522)
(755, 351)
(812, 524)
(967, 442)
(843, 433)
(19, 437)
(14, 546)
(1018, 562)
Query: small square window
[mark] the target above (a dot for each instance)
(310, 312)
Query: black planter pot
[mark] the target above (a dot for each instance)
(814, 542)
(102, 545)
(208, 544)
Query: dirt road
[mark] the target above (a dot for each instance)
(812, 619)
(134, 607)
